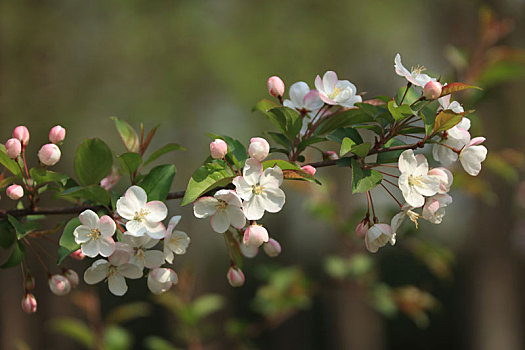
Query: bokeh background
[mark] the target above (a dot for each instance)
(199, 66)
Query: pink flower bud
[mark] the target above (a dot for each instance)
(309, 169)
(432, 90)
(331, 155)
(362, 228)
(72, 276)
(49, 154)
(15, 192)
(21, 134)
(235, 277)
(111, 180)
(272, 248)
(218, 149)
(275, 86)
(77, 255)
(255, 235)
(259, 148)
(57, 134)
(13, 148)
(29, 282)
(59, 285)
(29, 303)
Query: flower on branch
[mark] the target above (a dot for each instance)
(95, 235)
(225, 209)
(414, 181)
(175, 241)
(336, 92)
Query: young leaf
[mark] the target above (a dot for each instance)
(67, 240)
(158, 182)
(22, 229)
(234, 250)
(287, 120)
(291, 171)
(170, 147)
(346, 146)
(130, 162)
(7, 234)
(343, 119)
(93, 193)
(42, 176)
(339, 134)
(455, 87)
(411, 95)
(280, 139)
(93, 161)
(361, 150)
(392, 156)
(128, 135)
(445, 120)
(235, 148)
(264, 105)
(399, 112)
(364, 179)
(16, 257)
(206, 178)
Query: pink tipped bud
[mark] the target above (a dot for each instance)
(272, 248)
(275, 86)
(111, 180)
(21, 134)
(218, 149)
(77, 255)
(235, 277)
(13, 148)
(259, 148)
(15, 192)
(255, 235)
(29, 303)
(29, 282)
(331, 155)
(309, 169)
(362, 228)
(49, 154)
(72, 276)
(57, 134)
(432, 90)
(59, 285)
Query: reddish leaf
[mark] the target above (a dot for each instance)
(455, 87)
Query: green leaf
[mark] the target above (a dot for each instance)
(128, 312)
(22, 229)
(75, 330)
(158, 182)
(130, 161)
(364, 179)
(42, 176)
(339, 134)
(455, 87)
(128, 135)
(291, 171)
(7, 234)
(264, 105)
(235, 149)
(411, 96)
(343, 119)
(346, 146)
(9, 163)
(375, 128)
(206, 178)
(310, 141)
(67, 240)
(93, 161)
(369, 109)
(207, 304)
(392, 156)
(361, 150)
(445, 120)
(93, 193)
(170, 147)
(16, 257)
(280, 139)
(288, 120)
(153, 342)
(399, 112)
(117, 338)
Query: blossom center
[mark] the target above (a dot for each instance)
(414, 180)
(334, 93)
(221, 205)
(112, 271)
(413, 216)
(141, 215)
(418, 70)
(257, 189)
(95, 234)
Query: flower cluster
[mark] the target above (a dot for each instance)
(134, 247)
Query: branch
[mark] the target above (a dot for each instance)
(75, 209)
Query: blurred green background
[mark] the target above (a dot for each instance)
(199, 66)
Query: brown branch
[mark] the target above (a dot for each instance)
(75, 209)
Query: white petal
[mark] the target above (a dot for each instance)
(298, 91)
(127, 208)
(117, 285)
(413, 198)
(471, 158)
(407, 162)
(153, 259)
(428, 185)
(130, 271)
(274, 199)
(220, 221)
(155, 230)
(90, 248)
(329, 81)
(205, 206)
(157, 211)
(254, 208)
(97, 272)
(230, 197)
(398, 220)
(107, 226)
(422, 165)
(236, 216)
(137, 195)
(243, 189)
(81, 234)
(252, 171)
(106, 245)
(135, 228)
(179, 242)
(174, 221)
(89, 218)
(272, 177)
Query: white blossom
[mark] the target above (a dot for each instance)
(336, 92)
(174, 241)
(303, 99)
(141, 255)
(414, 181)
(225, 209)
(95, 235)
(378, 236)
(416, 76)
(434, 208)
(161, 279)
(472, 155)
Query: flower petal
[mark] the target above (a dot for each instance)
(89, 218)
(135, 228)
(157, 211)
(130, 271)
(243, 189)
(471, 158)
(230, 197)
(254, 208)
(252, 171)
(179, 242)
(274, 199)
(155, 230)
(220, 221)
(117, 285)
(81, 234)
(272, 177)
(153, 259)
(106, 246)
(205, 206)
(90, 248)
(407, 162)
(107, 226)
(96, 272)
(236, 216)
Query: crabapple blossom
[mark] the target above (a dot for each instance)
(122, 254)
(272, 248)
(336, 92)
(472, 155)
(13, 148)
(378, 236)
(456, 138)
(57, 134)
(454, 106)
(416, 76)
(49, 154)
(432, 90)
(141, 256)
(414, 181)
(235, 276)
(29, 303)
(303, 99)
(362, 228)
(175, 242)
(225, 209)
(15, 192)
(161, 279)
(218, 149)
(95, 235)
(22, 134)
(144, 217)
(59, 285)
(399, 218)
(78, 255)
(72, 276)
(249, 251)
(309, 169)
(115, 272)
(275, 86)
(434, 208)
(255, 235)
(260, 190)
(445, 177)
(259, 148)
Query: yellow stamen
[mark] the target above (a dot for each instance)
(141, 215)
(418, 69)
(334, 93)
(95, 234)
(257, 189)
